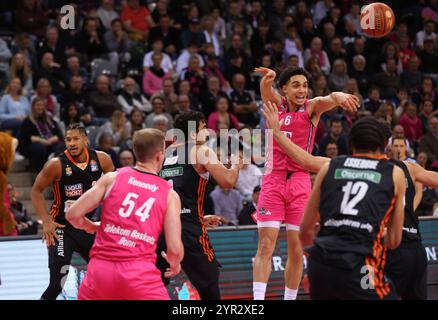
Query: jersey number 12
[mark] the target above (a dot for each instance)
(359, 190)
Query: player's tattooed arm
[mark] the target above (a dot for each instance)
(310, 218)
(395, 224)
(105, 161)
(266, 86)
(88, 202)
(49, 174)
(303, 158)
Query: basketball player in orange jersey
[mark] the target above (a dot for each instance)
(286, 185)
(406, 265)
(71, 173)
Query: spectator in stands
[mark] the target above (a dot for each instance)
(307, 32)
(51, 43)
(129, 98)
(126, 158)
(168, 34)
(429, 142)
(422, 159)
(193, 33)
(161, 123)
(401, 101)
(51, 71)
(74, 68)
(158, 108)
(22, 44)
(31, 17)
(153, 78)
(427, 33)
(5, 56)
(212, 69)
(388, 80)
(210, 36)
(227, 204)
(429, 57)
(406, 52)
(211, 95)
(21, 69)
(137, 20)
(334, 16)
(169, 96)
(331, 150)
(327, 35)
(196, 76)
(386, 113)
(336, 51)
(411, 77)
(322, 7)
(76, 94)
(247, 214)
(183, 103)
(350, 34)
(357, 48)
(157, 47)
(353, 88)
(336, 135)
(353, 16)
(260, 40)
(313, 67)
(219, 23)
(116, 39)
(24, 224)
(136, 121)
(236, 49)
(317, 51)
(118, 128)
(222, 118)
(426, 111)
(40, 136)
(427, 91)
(14, 108)
(184, 88)
(70, 115)
(44, 92)
(89, 41)
(102, 101)
(107, 14)
(293, 45)
(184, 58)
(373, 102)
(338, 78)
(106, 144)
(319, 85)
(249, 178)
(244, 105)
(161, 9)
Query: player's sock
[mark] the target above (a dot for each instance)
(259, 290)
(290, 294)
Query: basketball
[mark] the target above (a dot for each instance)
(377, 20)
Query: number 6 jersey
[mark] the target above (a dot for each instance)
(357, 198)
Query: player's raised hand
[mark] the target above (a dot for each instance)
(171, 271)
(347, 101)
(270, 113)
(268, 74)
(49, 232)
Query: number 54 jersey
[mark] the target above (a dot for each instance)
(132, 219)
(357, 199)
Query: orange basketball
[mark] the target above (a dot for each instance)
(377, 20)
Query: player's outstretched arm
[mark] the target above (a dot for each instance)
(50, 173)
(307, 228)
(172, 233)
(267, 90)
(395, 224)
(105, 161)
(304, 159)
(226, 178)
(426, 177)
(319, 105)
(88, 202)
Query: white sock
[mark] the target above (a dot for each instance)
(290, 294)
(259, 290)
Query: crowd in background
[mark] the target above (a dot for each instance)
(135, 64)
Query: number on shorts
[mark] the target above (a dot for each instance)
(359, 189)
(128, 206)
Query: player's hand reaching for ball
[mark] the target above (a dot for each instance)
(49, 232)
(172, 270)
(270, 113)
(347, 101)
(268, 74)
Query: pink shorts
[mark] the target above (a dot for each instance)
(283, 199)
(129, 280)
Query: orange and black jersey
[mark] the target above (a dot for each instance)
(191, 188)
(411, 224)
(357, 197)
(73, 183)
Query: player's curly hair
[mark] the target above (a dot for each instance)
(182, 121)
(367, 134)
(289, 73)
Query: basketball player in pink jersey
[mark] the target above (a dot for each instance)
(286, 186)
(137, 206)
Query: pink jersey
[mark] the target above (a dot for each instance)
(298, 128)
(132, 217)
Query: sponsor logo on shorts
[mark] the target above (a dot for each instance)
(262, 211)
(349, 174)
(172, 172)
(74, 190)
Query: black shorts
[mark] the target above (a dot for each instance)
(199, 269)
(70, 240)
(332, 283)
(406, 266)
